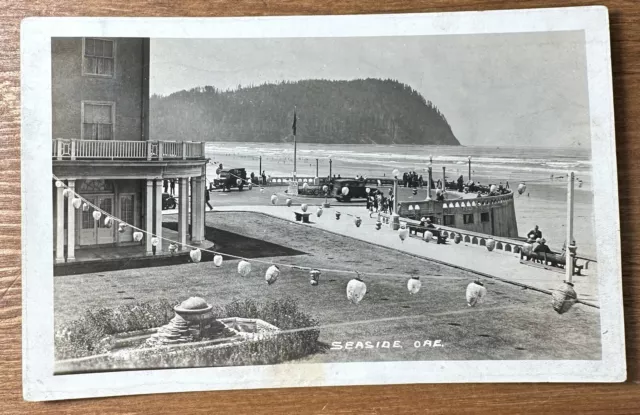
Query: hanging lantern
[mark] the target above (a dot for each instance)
(137, 236)
(358, 221)
(244, 268)
(76, 202)
(475, 293)
(325, 188)
(67, 192)
(304, 207)
(96, 215)
(319, 211)
(274, 199)
(305, 186)
(403, 233)
(122, 227)
(195, 254)
(59, 183)
(491, 244)
(238, 182)
(526, 249)
(315, 277)
(415, 192)
(356, 289)
(428, 236)
(395, 173)
(522, 188)
(85, 207)
(493, 188)
(564, 297)
(379, 183)
(345, 191)
(414, 285)
(337, 215)
(288, 202)
(173, 248)
(458, 238)
(272, 274)
(217, 260)
(368, 190)
(262, 190)
(108, 222)
(155, 241)
(378, 225)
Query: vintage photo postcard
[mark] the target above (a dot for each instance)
(238, 203)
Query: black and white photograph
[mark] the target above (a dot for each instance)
(314, 198)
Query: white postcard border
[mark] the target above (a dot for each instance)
(39, 383)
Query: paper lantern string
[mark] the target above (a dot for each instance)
(292, 266)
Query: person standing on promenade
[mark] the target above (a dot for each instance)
(172, 183)
(165, 185)
(264, 177)
(207, 197)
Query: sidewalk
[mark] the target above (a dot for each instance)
(499, 264)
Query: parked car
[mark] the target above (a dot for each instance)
(229, 179)
(357, 189)
(168, 201)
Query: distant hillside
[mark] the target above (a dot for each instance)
(365, 111)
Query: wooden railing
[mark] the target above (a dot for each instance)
(72, 149)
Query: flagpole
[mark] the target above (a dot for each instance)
(294, 146)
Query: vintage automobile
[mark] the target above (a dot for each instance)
(229, 179)
(168, 201)
(357, 189)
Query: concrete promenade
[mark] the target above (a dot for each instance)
(498, 264)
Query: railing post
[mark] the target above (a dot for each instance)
(148, 150)
(160, 149)
(184, 150)
(59, 155)
(73, 149)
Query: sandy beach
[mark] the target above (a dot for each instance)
(543, 204)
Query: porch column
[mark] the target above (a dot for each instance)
(201, 205)
(59, 225)
(192, 192)
(71, 225)
(158, 231)
(183, 210)
(149, 216)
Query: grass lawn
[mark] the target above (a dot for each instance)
(513, 323)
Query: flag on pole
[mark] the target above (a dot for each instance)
(293, 127)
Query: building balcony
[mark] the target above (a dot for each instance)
(72, 149)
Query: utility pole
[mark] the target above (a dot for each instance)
(469, 168)
(429, 184)
(260, 170)
(294, 145)
(570, 252)
(330, 161)
(317, 168)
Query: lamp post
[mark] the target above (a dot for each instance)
(571, 249)
(330, 175)
(317, 168)
(469, 167)
(260, 170)
(429, 184)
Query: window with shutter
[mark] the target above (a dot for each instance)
(97, 120)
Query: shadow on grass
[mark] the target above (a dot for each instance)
(227, 242)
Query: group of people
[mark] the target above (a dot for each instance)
(540, 247)
(260, 178)
(169, 184)
(378, 202)
(411, 179)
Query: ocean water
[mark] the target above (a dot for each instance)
(544, 172)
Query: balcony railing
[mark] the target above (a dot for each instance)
(72, 149)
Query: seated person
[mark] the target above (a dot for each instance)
(534, 234)
(435, 231)
(542, 249)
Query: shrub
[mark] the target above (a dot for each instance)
(92, 334)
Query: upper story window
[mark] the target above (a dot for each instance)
(98, 57)
(97, 120)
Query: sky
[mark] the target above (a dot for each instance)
(525, 89)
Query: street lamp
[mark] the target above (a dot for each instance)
(469, 167)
